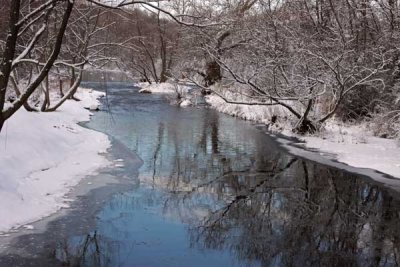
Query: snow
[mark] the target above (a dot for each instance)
(163, 88)
(42, 156)
(352, 145)
(355, 146)
(29, 227)
(94, 107)
(157, 88)
(172, 90)
(185, 103)
(257, 113)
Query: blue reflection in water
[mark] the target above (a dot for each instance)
(131, 231)
(181, 149)
(212, 191)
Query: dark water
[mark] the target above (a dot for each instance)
(199, 188)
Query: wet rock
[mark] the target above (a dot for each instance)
(93, 108)
(144, 91)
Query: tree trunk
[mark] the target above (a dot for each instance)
(60, 83)
(8, 55)
(69, 94)
(18, 93)
(5, 114)
(46, 92)
(213, 73)
(305, 126)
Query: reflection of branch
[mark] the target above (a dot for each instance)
(252, 191)
(158, 148)
(247, 173)
(332, 213)
(81, 254)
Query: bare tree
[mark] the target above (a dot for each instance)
(17, 25)
(314, 65)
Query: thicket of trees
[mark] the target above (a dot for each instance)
(43, 44)
(314, 58)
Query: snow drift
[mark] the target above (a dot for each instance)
(43, 155)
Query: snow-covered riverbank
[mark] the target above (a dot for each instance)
(43, 155)
(357, 147)
(353, 145)
(186, 96)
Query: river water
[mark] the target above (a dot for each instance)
(193, 187)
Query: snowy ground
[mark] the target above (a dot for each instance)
(261, 114)
(355, 146)
(188, 98)
(158, 88)
(352, 145)
(43, 155)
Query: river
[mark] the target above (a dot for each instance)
(193, 187)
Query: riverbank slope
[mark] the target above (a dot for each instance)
(42, 156)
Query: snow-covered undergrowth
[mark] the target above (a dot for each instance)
(354, 145)
(179, 94)
(157, 88)
(387, 124)
(43, 155)
(276, 116)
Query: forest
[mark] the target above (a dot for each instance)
(311, 60)
(199, 132)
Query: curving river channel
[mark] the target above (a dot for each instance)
(193, 187)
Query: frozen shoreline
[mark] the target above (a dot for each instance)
(42, 156)
(353, 145)
(348, 144)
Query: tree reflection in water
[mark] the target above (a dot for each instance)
(84, 252)
(237, 191)
(281, 210)
(302, 214)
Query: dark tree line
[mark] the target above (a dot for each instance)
(46, 45)
(314, 59)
